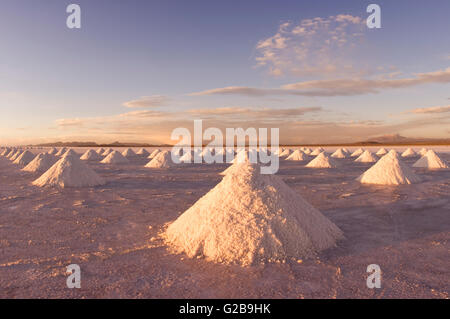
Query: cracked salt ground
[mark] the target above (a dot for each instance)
(405, 229)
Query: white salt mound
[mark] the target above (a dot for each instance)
(307, 151)
(91, 155)
(61, 151)
(154, 153)
(70, 152)
(129, 153)
(381, 151)
(41, 163)
(114, 158)
(340, 153)
(187, 157)
(100, 151)
(322, 161)
(431, 160)
(366, 157)
(409, 153)
(317, 151)
(5, 152)
(107, 151)
(11, 153)
(285, 153)
(69, 171)
(393, 152)
(143, 152)
(52, 151)
(250, 218)
(389, 170)
(15, 155)
(297, 155)
(423, 151)
(161, 160)
(245, 156)
(24, 159)
(357, 153)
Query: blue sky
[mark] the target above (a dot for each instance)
(130, 72)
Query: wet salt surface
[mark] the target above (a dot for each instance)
(112, 233)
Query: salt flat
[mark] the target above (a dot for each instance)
(111, 231)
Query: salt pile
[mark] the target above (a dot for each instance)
(409, 153)
(366, 157)
(100, 151)
(24, 159)
(154, 153)
(129, 153)
(423, 151)
(389, 170)
(307, 151)
(70, 152)
(41, 163)
(188, 157)
(5, 152)
(143, 152)
(114, 158)
(322, 161)
(297, 155)
(69, 171)
(357, 153)
(61, 151)
(52, 151)
(381, 151)
(278, 151)
(107, 151)
(317, 151)
(91, 155)
(285, 153)
(10, 153)
(250, 218)
(340, 153)
(15, 156)
(161, 160)
(245, 156)
(393, 152)
(431, 160)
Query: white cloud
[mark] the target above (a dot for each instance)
(315, 46)
(431, 110)
(147, 101)
(336, 87)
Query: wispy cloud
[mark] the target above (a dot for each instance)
(147, 101)
(336, 87)
(431, 110)
(315, 46)
(244, 114)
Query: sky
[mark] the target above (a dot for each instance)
(137, 69)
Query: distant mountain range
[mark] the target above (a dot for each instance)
(94, 144)
(398, 139)
(394, 139)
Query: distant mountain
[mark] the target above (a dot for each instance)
(398, 139)
(94, 144)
